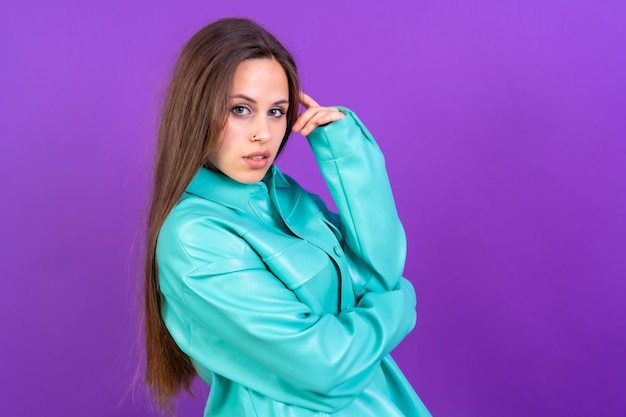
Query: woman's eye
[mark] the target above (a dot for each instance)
(277, 112)
(240, 110)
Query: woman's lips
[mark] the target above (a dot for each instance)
(257, 160)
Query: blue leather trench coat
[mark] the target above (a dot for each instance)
(290, 310)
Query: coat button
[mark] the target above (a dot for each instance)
(338, 251)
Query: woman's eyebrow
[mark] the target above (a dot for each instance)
(251, 100)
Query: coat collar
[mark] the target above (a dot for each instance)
(215, 186)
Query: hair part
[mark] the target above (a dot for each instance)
(194, 114)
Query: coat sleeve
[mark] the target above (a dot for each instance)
(354, 169)
(233, 316)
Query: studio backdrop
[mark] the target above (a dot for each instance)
(503, 126)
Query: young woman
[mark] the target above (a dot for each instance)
(282, 307)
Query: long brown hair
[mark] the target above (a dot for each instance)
(194, 113)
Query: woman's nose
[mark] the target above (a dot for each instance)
(260, 131)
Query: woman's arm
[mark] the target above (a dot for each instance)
(234, 317)
(354, 169)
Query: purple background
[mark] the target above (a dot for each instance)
(503, 125)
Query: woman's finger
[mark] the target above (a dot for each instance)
(305, 117)
(314, 115)
(321, 117)
(307, 101)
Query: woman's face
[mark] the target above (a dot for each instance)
(256, 123)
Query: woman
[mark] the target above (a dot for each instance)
(282, 307)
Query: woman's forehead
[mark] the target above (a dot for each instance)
(260, 79)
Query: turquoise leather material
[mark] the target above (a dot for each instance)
(285, 308)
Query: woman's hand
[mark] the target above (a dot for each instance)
(314, 116)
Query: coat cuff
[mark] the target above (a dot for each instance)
(326, 148)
